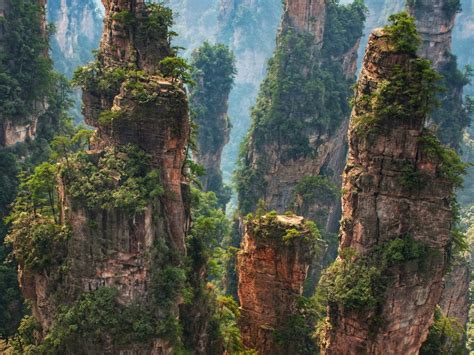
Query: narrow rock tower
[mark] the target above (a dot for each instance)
(398, 176)
(124, 203)
(273, 265)
(293, 152)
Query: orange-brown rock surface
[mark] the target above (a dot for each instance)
(272, 267)
(379, 208)
(306, 16)
(111, 247)
(435, 22)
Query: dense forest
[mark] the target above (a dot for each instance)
(236, 177)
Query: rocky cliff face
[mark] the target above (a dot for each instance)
(128, 247)
(248, 28)
(435, 22)
(214, 72)
(22, 127)
(385, 209)
(272, 266)
(278, 157)
(455, 299)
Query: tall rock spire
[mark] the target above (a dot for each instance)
(295, 147)
(398, 176)
(124, 204)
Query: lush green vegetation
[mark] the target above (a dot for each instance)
(359, 282)
(454, 114)
(117, 178)
(315, 190)
(304, 93)
(265, 227)
(213, 72)
(446, 336)
(26, 80)
(96, 318)
(25, 70)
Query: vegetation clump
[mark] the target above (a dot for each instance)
(37, 235)
(120, 178)
(271, 228)
(358, 282)
(446, 336)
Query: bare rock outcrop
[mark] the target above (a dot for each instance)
(272, 266)
(383, 211)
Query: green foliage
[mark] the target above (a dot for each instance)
(119, 178)
(37, 237)
(210, 228)
(106, 117)
(298, 331)
(11, 307)
(408, 94)
(26, 74)
(125, 17)
(446, 336)
(267, 228)
(95, 317)
(451, 166)
(359, 282)
(213, 72)
(177, 68)
(226, 318)
(402, 32)
(316, 187)
(95, 77)
(304, 93)
(157, 24)
(453, 115)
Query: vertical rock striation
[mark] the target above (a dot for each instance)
(19, 120)
(133, 246)
(435, 22)
(248, 27)
(78, 28)
(214, 71)
(272, 266)
(300, 119)
(394, 181)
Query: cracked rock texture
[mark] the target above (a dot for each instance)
(271, 275)
(110, 247)
(377, 208)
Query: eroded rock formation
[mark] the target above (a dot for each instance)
(214, 71)
(19, 128)
(127, 247)
(272, 266)
(435, 22)
(279, 156)
(389, 151)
